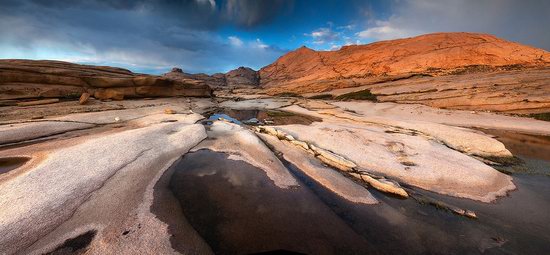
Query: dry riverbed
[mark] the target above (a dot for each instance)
(203, 176)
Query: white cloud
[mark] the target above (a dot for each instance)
(335, 47)
(385, 30)
(259, 44)
(235, 41)
(324, 35)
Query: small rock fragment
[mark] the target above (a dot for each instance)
(269, 130)
(385, 185)
(301, 144)
(281, 135)
(333, 163)
(470, 214)
(84, 98)
(169, 111)
(339, 161)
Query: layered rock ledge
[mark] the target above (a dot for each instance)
(25, 79)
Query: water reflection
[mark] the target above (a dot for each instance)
(237, 209)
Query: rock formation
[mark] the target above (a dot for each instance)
(240, 77)
(431, 54)
(215, 80)
(447, 70)
(24, 79)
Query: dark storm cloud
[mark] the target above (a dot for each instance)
(196, 13)
(253, 12)
(139, 34)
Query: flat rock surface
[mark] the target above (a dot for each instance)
(464, 140)
(74, 172)
(409, 159)
(27, 131)
(473, 119)
(109, 175)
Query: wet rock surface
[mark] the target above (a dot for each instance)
(222, 176)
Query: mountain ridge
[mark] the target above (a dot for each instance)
(431, 54)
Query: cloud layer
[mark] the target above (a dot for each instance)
(219, 35)
(148, 36)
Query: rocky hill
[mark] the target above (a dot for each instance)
(24, 79)
(240, 77)
(305, 70)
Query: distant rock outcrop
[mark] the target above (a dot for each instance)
(23, 79)
(240, 77)
(177, 74)
(305, 70)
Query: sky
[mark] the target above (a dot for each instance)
(209, 36)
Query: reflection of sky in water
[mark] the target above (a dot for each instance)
(249, 213)
(217, 116)
(518, 222)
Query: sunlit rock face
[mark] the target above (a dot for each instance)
(437, 54)
(447, 70)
